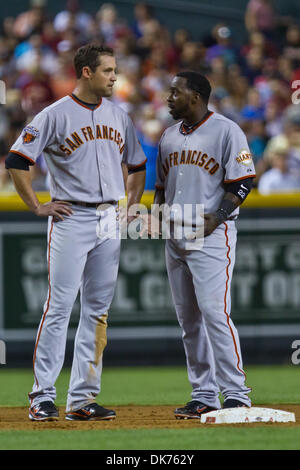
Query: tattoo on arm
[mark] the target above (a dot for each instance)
(227, 206)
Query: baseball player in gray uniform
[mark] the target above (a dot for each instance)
(205, 159)
(89, 145)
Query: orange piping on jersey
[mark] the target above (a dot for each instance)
(83, 105)
(239, 179)
(198, 125)
(225, 302)
(22, 155)
(137, 166)
(48, 302)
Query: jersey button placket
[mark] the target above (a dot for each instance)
(100, 165)
(180, 174)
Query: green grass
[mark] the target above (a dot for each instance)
(262, 438)
(156, 386)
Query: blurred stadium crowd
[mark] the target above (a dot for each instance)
(252, 83)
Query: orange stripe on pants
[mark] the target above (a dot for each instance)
(225, 302)
(48, 302)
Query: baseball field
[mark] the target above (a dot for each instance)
(144, 399)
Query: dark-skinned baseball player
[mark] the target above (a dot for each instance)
(204, 160)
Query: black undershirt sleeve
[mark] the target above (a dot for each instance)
(135, 170)
(14, 160)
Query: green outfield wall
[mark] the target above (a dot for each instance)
(265, 288)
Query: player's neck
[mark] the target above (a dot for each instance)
(195, 117)
(86, 95)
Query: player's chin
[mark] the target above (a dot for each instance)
(108, 92)
(174, 114)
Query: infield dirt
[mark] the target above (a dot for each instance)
(128, 417)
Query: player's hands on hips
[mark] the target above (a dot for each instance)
(58, 209)
(211, 222)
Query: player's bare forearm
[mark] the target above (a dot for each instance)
(125, 174)
(153, 226)
(22, 182)
(135, 187)
(236, 201)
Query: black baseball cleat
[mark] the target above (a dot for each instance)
(44, 411)
(91, 412)
(231, 403)
(193, 409)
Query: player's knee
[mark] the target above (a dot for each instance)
(98, 306)
(212, 306)
(60, 310)
(99, 317)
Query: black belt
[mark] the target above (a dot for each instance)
(234, 217)
(87, 204)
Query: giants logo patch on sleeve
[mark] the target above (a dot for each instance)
(29, 134)
(244, 157)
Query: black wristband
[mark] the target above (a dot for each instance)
(221, 215)
(225, 209)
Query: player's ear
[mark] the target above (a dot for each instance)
(86, 72)
(195, 97)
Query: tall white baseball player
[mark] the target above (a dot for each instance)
(87, 142)
(205, 159)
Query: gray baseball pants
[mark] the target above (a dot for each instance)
(80, 257)
(200, 284)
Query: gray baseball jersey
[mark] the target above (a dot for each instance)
(193, 166)
(83, 149)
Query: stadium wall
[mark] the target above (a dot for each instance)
(142, 322)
